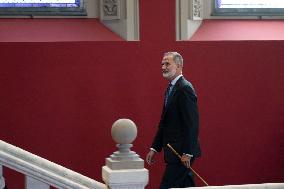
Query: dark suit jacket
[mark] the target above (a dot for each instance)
(179, 124)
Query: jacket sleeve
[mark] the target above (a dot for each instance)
(189, 120)
(158, 140)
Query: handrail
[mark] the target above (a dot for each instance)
(44, 170)
(246, 186)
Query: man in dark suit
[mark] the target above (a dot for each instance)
(179, 126)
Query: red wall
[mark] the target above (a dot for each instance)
(59, 100)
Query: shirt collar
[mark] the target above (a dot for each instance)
(173, 82)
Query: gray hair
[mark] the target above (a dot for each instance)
(176, 57)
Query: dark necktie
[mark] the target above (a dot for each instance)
(168, 92)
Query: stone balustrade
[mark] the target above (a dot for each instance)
(124, 169)
(246, 186)
(41, 173)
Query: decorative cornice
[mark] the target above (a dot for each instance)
(110, 9)
(197, 7)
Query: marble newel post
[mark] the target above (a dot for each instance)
(124, 169)
(2, 180)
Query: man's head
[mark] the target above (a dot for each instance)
(172, 64)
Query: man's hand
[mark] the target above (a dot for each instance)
(185, 160)
(150, 157)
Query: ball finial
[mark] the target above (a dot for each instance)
(124, 131)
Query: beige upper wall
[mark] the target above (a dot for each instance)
(93, 9)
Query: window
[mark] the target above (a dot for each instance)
(248, 7)
(42, 7)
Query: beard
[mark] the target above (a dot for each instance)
(169, 74)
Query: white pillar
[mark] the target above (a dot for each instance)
(32, 183)
(124, 168)
(125, 178)
(2, 180)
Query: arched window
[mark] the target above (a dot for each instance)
(42, 7)
(248, 7)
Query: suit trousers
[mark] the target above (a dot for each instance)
(177, 176)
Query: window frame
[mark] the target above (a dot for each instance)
(245, 11)
(45, 11)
